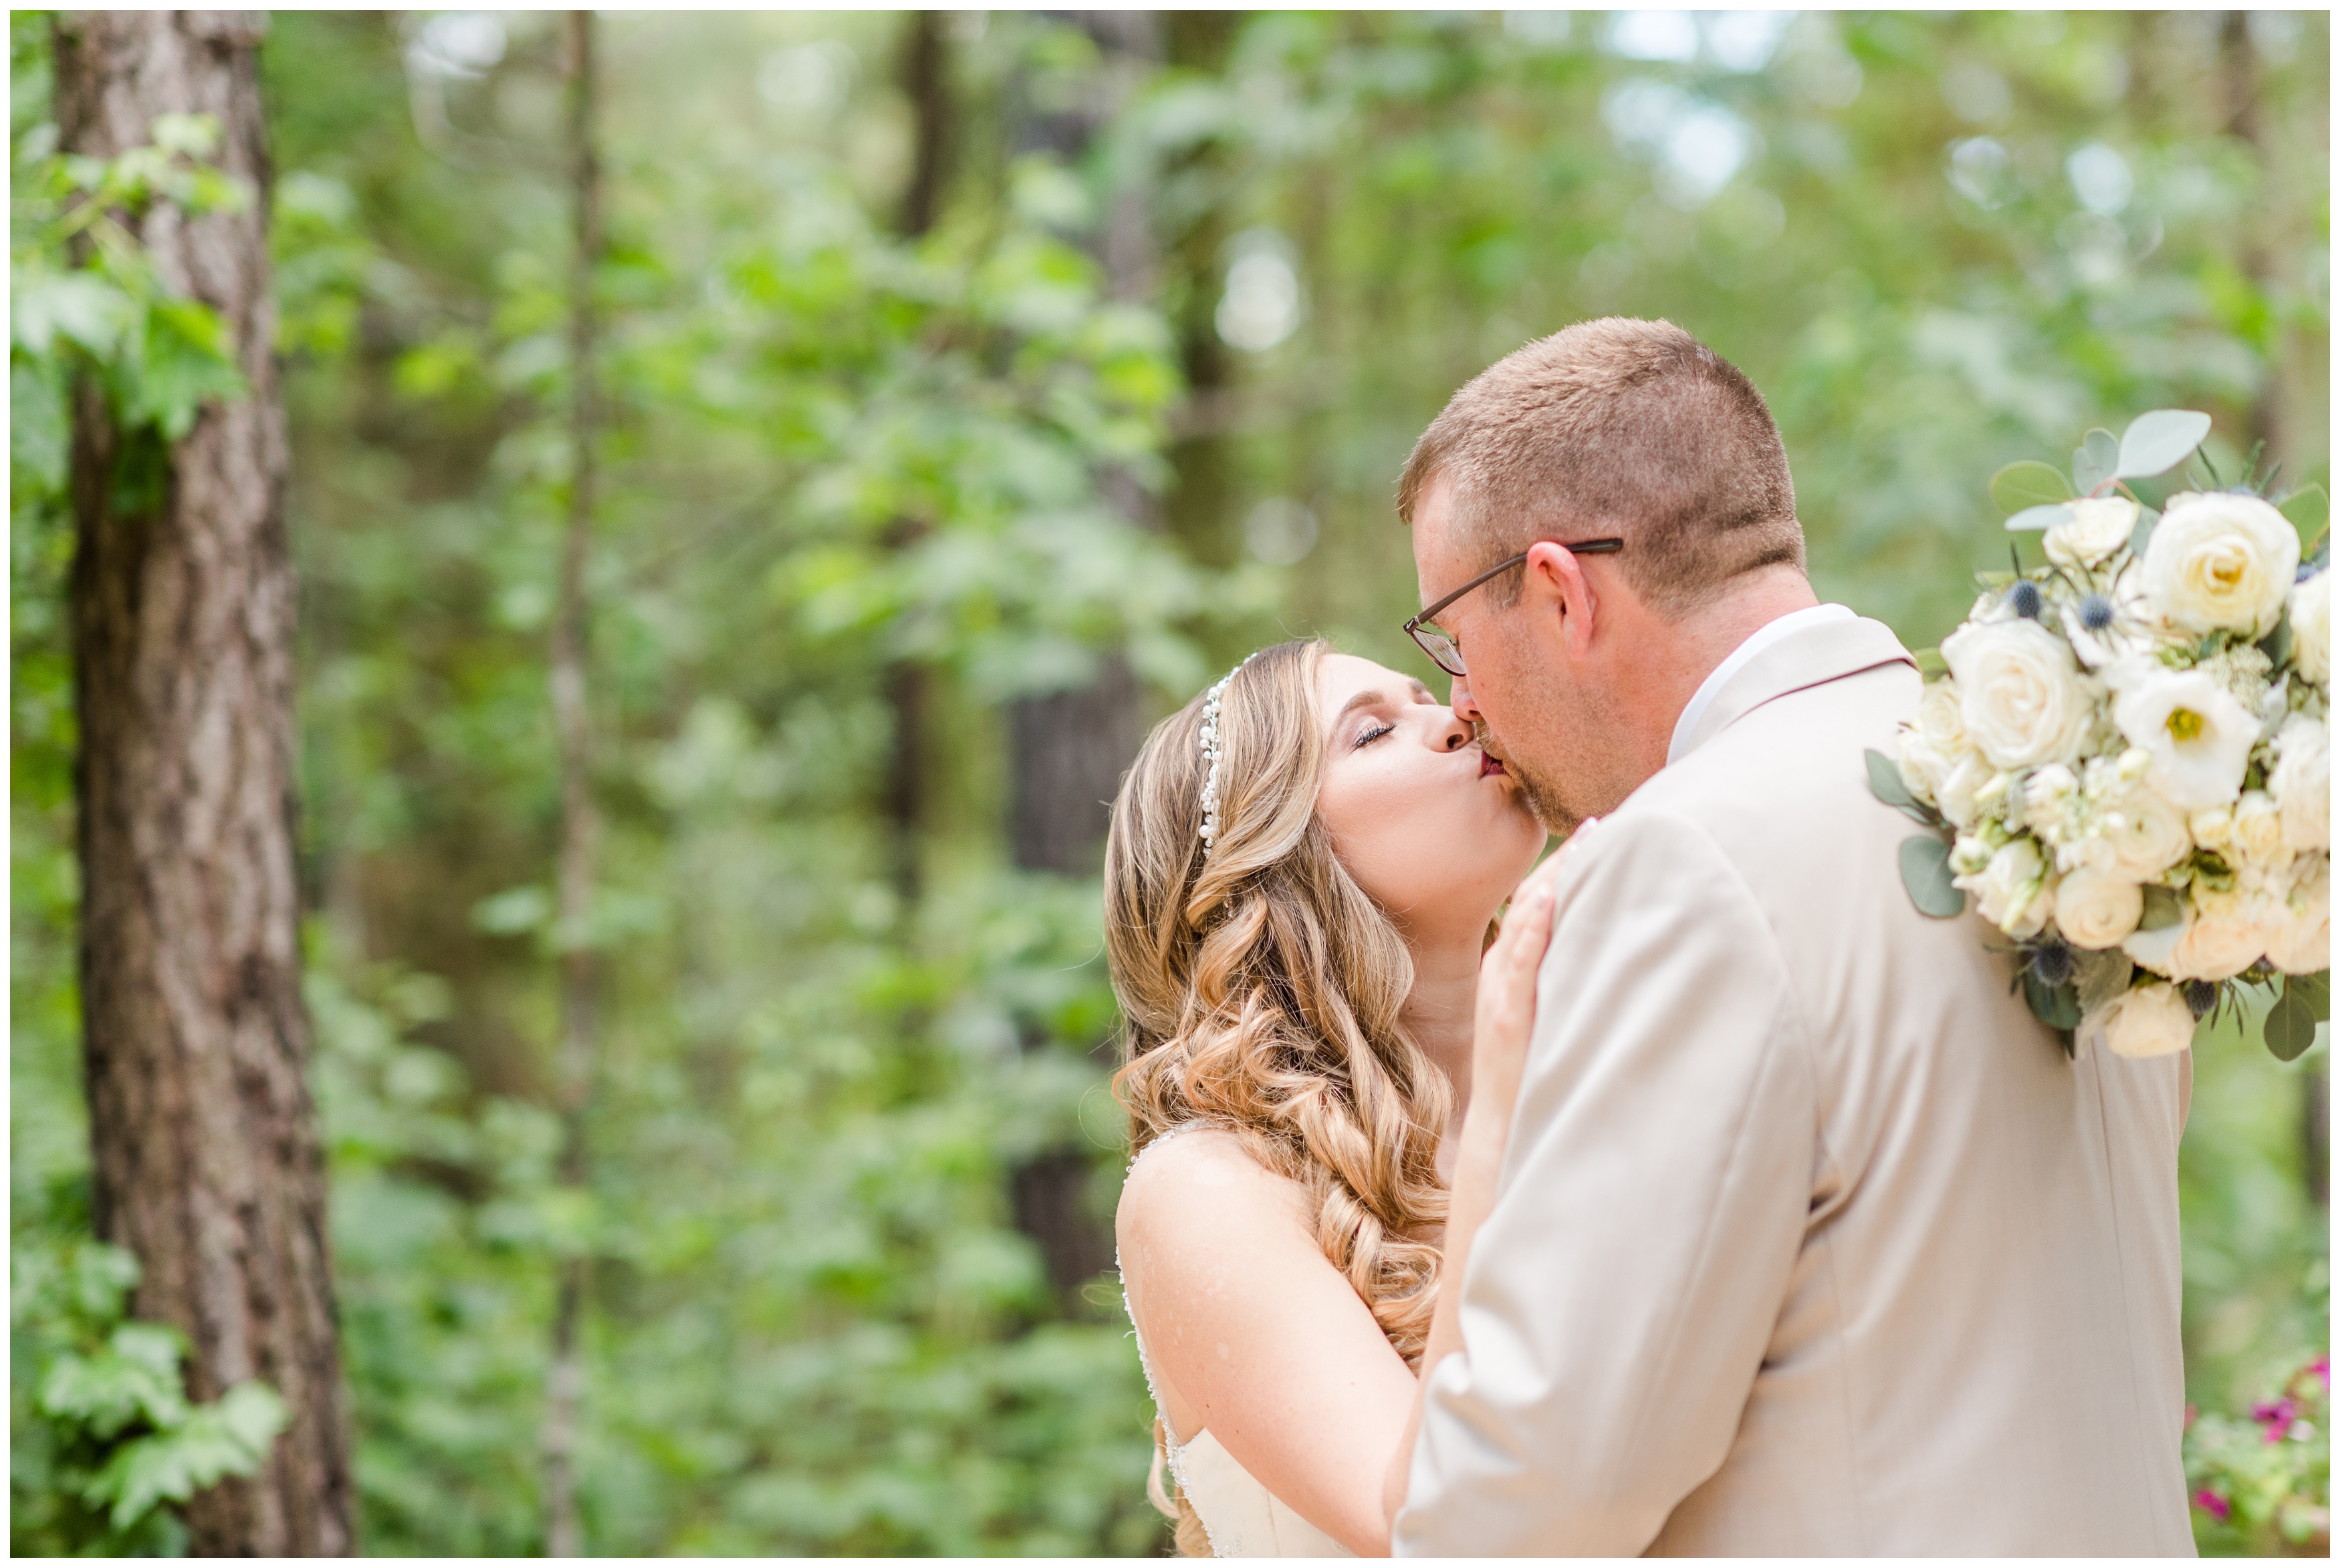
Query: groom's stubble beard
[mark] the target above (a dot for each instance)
(1586, 769)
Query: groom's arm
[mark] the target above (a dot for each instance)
(1618, 1301)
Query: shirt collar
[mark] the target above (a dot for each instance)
(1763, 636)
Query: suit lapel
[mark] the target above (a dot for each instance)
(1810, 658)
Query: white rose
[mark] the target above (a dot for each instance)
(2256, 829)
(2299, 924)
(1956, 793)
(2301, 782)
(2097, 528)
(2311, 628)
(2094, 910)
(2224, 938)
(1941, 720)
(2012, 891)
(2197, 737)
(2221, 562)
(2022, 696)
(2149, 1020)
(2149, 836)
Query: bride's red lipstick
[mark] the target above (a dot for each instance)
(1488, 764)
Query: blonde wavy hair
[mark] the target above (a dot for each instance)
(1260, 989)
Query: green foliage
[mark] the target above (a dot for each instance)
(103, 1432)
(819, 1320)
(2262, 1485)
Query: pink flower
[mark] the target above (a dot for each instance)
(2322, 1367)
(2276, 1418)
(2215, 1507)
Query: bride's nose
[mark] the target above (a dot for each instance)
(1453, 734)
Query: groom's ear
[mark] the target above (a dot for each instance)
(1560, 596)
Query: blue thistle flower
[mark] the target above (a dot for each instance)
(2024, 599)
(2096, 611)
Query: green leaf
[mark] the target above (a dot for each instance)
(2099, 977)
(2057, 1007)
(2028, 483)
(2160, 439)
(2142, 535)
(2276, 644)
(2308, 508)
(2032, 520)
(1926, 873)
(2162, 908)
(2306, 1001)
(1930, 663)
(1884, 782)
(2095, 462)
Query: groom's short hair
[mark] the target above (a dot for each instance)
(1620, 427)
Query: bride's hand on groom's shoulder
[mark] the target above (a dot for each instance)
(1505, 1017)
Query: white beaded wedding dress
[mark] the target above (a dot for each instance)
(1241, 1517)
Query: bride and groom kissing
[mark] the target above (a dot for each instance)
(1725, 1203)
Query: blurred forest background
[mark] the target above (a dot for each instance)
(973, 387)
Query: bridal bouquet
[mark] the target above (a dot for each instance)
(2125, 753)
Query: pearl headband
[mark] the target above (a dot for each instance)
(1211, 754)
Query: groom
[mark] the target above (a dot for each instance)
(1809, 1238)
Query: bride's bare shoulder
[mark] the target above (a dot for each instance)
(1203, 1180)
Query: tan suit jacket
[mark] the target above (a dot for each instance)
(1809, 1238)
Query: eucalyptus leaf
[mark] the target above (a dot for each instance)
(2308, 508)
(2162, 908)
(2028, 483)
(2095, 462)
(2032, 520)
(2290, 1025)
(2158, 440)
(1886, 783)
(2056, 1006)
(1926, 873)
(2142, 535)
(1930, 663)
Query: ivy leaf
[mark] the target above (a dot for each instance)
(1926, 873)
(2306, 1001)
(80, 307)
(1884, 782)
(2158, 440)
(2097, 461)
(2032, 520)
(2028, 483)
(2308, 508)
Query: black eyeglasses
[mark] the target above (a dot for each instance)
(1444, 650)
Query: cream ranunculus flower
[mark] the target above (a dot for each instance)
(2013, 892)
(2256, 830)
(2299, 924)
(2149, 836)
(2097, 528)
(2221, 562)
(2311, 628)
(2022, 696)
(2047, 798)
(2094, 910)
(2301, 782)
(2148, 1020)
(2226, 937)
(2198, 736)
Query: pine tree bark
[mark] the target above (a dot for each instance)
(194, 1039)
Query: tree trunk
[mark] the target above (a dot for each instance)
(581, 828)
(194, 1039)
(926, 82)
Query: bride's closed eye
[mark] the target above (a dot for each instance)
(1372, 734)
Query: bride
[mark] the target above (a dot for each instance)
(1303, 867)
